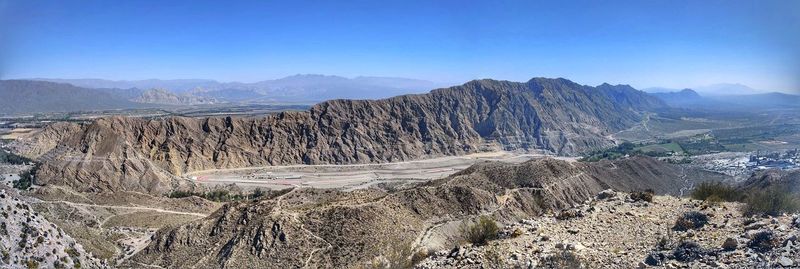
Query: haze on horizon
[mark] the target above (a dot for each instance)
(673, 44)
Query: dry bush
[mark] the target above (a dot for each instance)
(690, 221)
(772, 201)
(481, 232)
(563, 259)
(715, 192)
(646, 195)
(764, 241)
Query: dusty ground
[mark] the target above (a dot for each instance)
(350, 176)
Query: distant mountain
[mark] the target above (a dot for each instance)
(763, 100)
(297, 88)
(722, 89)
(719, 89)
(688, 98)
(175, 85)
(164, 97)
(27, 96)
(683, 98)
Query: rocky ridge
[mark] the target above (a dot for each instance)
(134, 154)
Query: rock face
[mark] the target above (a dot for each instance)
(335, 229)
(553, 115)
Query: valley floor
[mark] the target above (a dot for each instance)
(354, 176)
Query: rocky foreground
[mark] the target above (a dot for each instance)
(614, 231)
(28, 240)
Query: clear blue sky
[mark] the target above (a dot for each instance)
(643, 43)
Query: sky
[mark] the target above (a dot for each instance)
(648, 43)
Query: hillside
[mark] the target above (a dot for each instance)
(336, 229)
(552, 115)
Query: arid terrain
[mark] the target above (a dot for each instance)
(399, 182)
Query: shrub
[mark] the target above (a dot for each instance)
(562, 259)
(764, 241)
(772, 201)
(26, 178)
(183, 194)
(690, 220)
(715, 191)
(646, 195)
(257, 193)
(481, 232)
(688, 251)
(569, 214)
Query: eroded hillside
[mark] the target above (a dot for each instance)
(134, 154)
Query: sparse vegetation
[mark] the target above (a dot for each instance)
(26, 179)
(772, 201)
(481, 232)
(646, 195)
(219, 195)
(716, 191)
(561, 260)
(688, 251)
(690, 221)
(11, 158)
(764, 241)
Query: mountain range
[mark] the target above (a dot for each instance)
(719, 89)
(297, 88)
(136, 154)
(688, 98)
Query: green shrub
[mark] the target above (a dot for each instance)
(26, 179)
(772, 201)
(715, 191)
(257, 193)
(481, 232)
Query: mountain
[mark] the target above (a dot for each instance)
(722, 89)
(175, 85)
(719, 89)
(763, 100)
(552, 115)
(683, 98)
(27, 96)
(312, 228)
(688, 98)
(297, 88)
(164, 97)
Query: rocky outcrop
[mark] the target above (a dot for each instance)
(335, 229)
(552, 115)
(28, 240)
